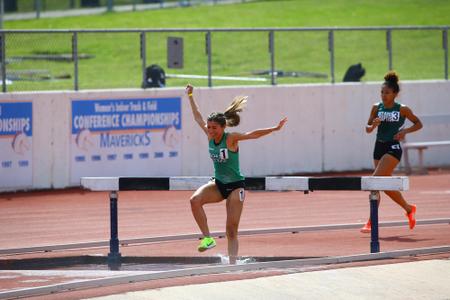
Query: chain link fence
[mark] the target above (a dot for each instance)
(41, 6)
(109, 59)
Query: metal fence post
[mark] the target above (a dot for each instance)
(208, 52)
(2, 58)
(331, 50)
(272, 56)
(389, 46)
(143, 59)
(75, 59)
(2, 12)
(110, 5)
(445, 46)
(38, 7)
(208, 45)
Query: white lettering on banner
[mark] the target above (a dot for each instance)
(108, 140)
(126, 120)
(15, 124)
(135, 106)
(152, 119)
(103, 108)
(96, 121)
(150, 105)
(120, 107)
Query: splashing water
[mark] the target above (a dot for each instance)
(225, 260)
(245, 260)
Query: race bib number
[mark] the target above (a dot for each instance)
(223, 153)
(242, 195)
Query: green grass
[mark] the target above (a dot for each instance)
(117, 64)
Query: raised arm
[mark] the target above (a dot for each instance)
(195, 111)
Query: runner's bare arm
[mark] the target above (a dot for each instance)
(257, 133)
(373, 121)
(417, 124)
(195, 111)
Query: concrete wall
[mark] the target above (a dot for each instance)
(325, 131)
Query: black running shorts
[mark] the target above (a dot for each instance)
(225, 189)
(392, 147)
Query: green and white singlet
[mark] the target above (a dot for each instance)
(391, 122)
(226, 162)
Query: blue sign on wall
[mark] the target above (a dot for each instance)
(118, 137)
(16, 144)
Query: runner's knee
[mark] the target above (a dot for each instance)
(196, 200)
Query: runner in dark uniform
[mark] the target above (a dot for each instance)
(389, 117)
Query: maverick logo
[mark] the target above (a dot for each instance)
(108, 140)
(389, 116)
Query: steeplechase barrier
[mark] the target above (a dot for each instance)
(373, 184)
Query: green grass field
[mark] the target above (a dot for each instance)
(117, 64)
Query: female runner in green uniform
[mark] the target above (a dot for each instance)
(389, 116)
(228, 180)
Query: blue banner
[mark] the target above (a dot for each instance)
(16, 118)
(120, 137)
(16, 144)
(117, 114)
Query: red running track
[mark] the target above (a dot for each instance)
(73, 216)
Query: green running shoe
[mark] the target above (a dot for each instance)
(206, 243)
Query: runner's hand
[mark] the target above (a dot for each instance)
(189, 89)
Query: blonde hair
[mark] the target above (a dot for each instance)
(232, 112)
(231, 115)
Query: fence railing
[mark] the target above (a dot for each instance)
(118, 58)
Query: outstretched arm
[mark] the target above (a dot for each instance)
(258, 132)
(195, 111)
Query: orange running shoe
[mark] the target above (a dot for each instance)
(366, 228)
(411, 217)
